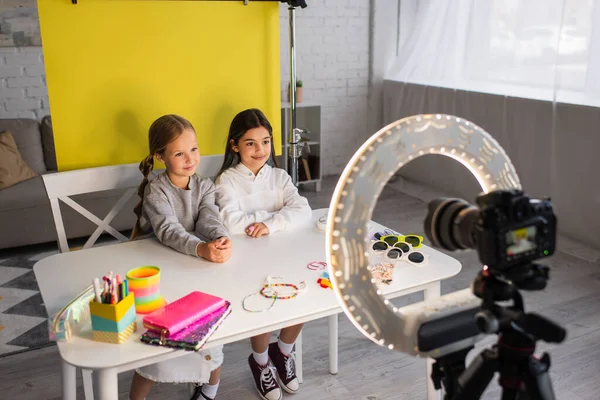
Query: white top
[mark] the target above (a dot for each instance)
(269, 197)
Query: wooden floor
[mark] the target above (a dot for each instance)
(367, 371)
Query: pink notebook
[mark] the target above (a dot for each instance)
(182, 313)
(194, 336)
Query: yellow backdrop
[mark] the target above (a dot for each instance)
(114, 66)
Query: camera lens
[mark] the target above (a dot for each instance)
(450, 223)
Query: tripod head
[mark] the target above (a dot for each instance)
(492, 288)
(518, 333)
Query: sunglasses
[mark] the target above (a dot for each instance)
(399, 251)
(415, 241)
(378, 235)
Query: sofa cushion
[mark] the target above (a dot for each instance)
(12, 167)
(29, 142)
(48, 143)
(30, 193)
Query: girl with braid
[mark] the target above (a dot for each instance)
(178, 206)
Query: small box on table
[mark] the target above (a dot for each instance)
(113, 323)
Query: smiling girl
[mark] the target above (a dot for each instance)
(257, 199)
(179, 207)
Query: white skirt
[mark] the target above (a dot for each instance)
(194, 367)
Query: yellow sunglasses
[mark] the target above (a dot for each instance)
(415, 241)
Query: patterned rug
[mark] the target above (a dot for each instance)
(23, 318)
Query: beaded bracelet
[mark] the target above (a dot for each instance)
(249, 310)
(277, 296)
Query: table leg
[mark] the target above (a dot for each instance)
(432, 291)
(106, 384)
(88, 383)
(69, 381)
(333, 344)
(299, 372)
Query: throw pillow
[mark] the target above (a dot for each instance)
(13, 169)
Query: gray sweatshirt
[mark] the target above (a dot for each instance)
(182, 219)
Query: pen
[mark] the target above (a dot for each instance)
(106, 288)
(114, 297)
(118, 285)
(96, 283)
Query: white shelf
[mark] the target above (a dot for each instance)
(308, 116)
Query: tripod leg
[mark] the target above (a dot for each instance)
(477, 376)
(447, 370)
(537, 379)
(510, 394)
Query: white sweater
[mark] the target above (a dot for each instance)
(269, 197)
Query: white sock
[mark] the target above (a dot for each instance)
(261, 358)
(210, 390)
(285, 348)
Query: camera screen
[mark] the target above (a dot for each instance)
(520, 240)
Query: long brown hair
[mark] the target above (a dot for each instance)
(162, 132)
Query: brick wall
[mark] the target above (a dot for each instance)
(23, 91)
(332, 59)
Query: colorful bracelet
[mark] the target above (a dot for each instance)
(276, 296)
(268, 292)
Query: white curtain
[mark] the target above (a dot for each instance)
(527, 72)
(540, 49)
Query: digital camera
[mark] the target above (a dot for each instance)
(507, 228)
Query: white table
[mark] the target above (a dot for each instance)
(61, 277)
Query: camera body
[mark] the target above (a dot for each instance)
(507, 228)
(513, 229)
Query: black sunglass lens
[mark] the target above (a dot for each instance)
(378, 246)
(402, 246)
(413, 240)
(416, 257)
(394, 253)
(391, 240)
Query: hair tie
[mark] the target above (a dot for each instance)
(317, 265)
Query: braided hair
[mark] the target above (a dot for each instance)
(162, 131)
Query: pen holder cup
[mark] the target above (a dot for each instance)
(144, 282)
(113, 323)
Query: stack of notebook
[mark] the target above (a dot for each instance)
(186, 323)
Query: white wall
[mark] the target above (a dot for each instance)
(332, 59)
(384, 34)
(332, 52)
